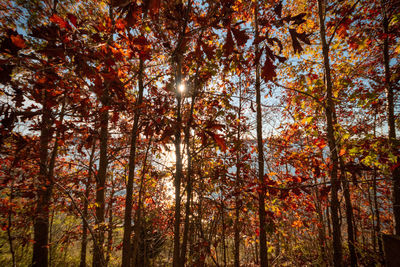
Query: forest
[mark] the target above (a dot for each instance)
(199, 132)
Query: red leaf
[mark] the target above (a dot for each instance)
(208, 50)
(219, 140)
(228, 46)
(240, 36)
(268, 71)
(141, 40)
(324, 191)
(72, 18)
(120, 24)
(60, 21)
(18, 41)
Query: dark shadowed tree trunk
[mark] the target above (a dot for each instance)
(238, 184)
(126, 247)
(178, 172)
(260, 148)
(189, 179)
(390, 115)
(44, 191)
(98, 254)
(329, 112)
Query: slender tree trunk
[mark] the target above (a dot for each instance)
(189, 181)
(138, 224)
(126, 247)
(349, 217)
(321, 230)
(330, 111)
(260, 148)
(223, 231)
(9, 235)
(86, 207)
(378, 219)
(98, 255)
(178, 172)
(110, 227)
(391, 118)
(371, 209)
(238, 184)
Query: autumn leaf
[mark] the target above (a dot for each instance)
(219, 140)
(240, 36)
(18, 41)
(72, 18)
(228, 46)
(268, 70)
(120, 24)
(59, 21)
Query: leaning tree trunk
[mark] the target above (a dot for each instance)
(330, 114)
(260, 148)
(126, 247)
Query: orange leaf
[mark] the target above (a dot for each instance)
(342, 152)
(219, 140)
(18, 41)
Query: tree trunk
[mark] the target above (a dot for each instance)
(189, 181)
(378, 218)
(260, 148)
(138, 226)
(44, 191)
(85, 208)
(98, 255)
(238, 185)
(126, 247)
(10, 238)
(330, 111)
(349, 217)
(391, 119)
(178, 172)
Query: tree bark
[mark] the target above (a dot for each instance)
(138, 226)
(260, 148)
(189, 181)
(85, 208)
(126, 247)
(330, 112)
(349, 217)
(178, 172)
(98, 255)
(391, 119)
(44, 191)
(238, 185)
